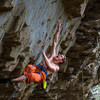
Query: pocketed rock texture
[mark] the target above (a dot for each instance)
(23, 25)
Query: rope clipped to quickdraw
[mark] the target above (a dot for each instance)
(37, 57)
(44, 41)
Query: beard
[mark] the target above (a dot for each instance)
(55, 60)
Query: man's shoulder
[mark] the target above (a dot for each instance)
(57, 68)
(55, 65)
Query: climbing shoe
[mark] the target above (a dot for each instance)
(14, 84)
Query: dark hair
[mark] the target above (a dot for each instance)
(64, 60)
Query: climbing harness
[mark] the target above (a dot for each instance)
(42, 69)
(33, 63)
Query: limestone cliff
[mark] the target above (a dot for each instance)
(23, 26)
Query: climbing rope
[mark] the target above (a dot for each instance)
(30, 68)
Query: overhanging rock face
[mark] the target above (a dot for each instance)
(23, 26)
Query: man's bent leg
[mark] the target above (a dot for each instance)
(19, 79)
(34, 77)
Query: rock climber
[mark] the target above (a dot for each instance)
(48, 65)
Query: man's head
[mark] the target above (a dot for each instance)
(59, 59)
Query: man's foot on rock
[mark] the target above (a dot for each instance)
(14, 84)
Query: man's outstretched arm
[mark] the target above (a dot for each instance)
(55, 40)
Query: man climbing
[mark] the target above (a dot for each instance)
(50, 64)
